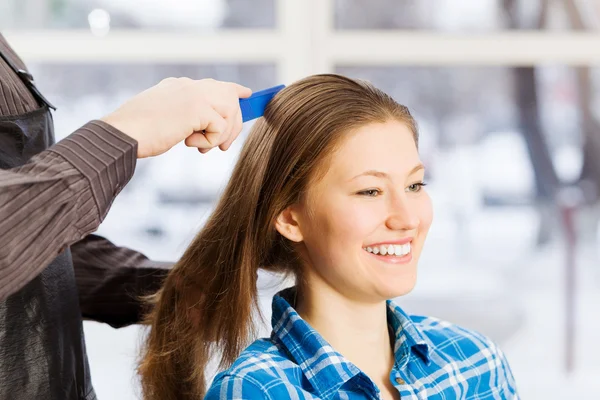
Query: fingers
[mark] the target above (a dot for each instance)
(215, 128)
(198, 140)
(222, 124)
(242, 91)
(237, 126)
(220, 132)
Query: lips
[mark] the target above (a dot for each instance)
(393, 252)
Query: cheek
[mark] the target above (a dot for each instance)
(342, 225)
(353, 221)
(425, 211)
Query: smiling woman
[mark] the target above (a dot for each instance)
(329, 188)
(369, 198)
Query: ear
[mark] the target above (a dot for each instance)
(287, 225)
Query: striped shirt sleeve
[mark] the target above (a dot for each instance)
(58, 198)
(112, 280)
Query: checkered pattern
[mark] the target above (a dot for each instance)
(434, 360)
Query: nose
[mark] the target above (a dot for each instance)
(401, 215)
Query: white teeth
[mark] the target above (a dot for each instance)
(391, 249)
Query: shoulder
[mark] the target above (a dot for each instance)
(262, 371)
(446, 335)
(466, 349)
(232, 387)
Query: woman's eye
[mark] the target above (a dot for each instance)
(370, 192)
(416, 187)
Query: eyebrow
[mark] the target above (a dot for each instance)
(380, 174)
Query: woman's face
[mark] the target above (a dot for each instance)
(363, 225)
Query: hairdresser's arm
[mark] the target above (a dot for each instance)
(111, 281)
(62, 194)
(57, 198)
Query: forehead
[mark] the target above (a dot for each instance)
(387, 147)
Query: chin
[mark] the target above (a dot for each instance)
(390, 291)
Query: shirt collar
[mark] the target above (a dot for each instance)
(326, 369)
(408, 337)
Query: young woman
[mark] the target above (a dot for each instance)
(329, 188)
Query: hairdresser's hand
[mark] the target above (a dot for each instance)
(181, 109)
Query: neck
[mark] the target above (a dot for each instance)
(357, 330)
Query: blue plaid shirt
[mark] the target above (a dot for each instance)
(434, 360)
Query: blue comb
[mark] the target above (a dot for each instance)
(254, 106)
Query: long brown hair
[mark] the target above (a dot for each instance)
(206, 306)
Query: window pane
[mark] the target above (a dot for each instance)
(446, 98)
(463, 16)
(165, 15)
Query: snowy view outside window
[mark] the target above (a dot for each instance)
(499, 142)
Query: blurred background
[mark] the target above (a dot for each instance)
(507, 94)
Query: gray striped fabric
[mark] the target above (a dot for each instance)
(60, 197)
